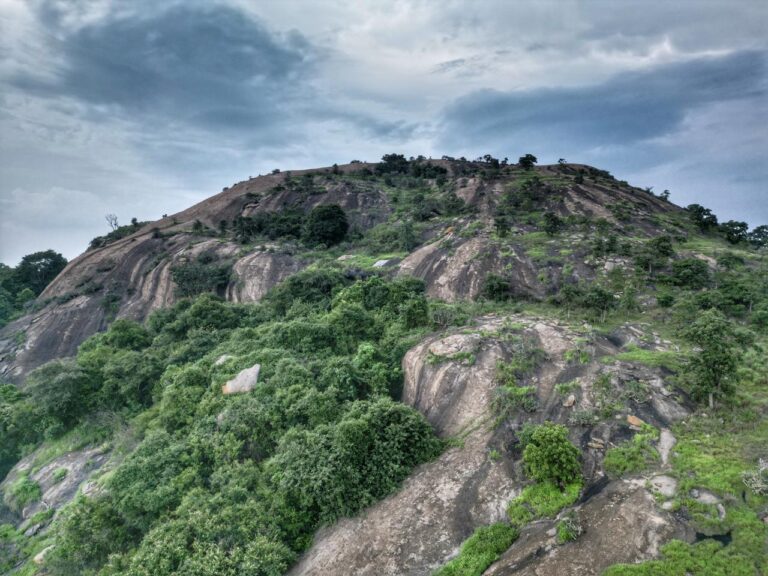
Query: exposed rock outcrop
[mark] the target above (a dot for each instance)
(59, 480)
(451, 379)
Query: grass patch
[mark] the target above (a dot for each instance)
(480, 550)
(712, 453)
(634, 455)
(85, 434)
(541, 500)
(465, 358)
(569, 528)
(367, 261)
(655, 358)
(22, 492)
(565, 388)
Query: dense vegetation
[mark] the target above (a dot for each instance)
(19, 286)
(236, 484)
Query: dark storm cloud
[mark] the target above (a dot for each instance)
(212, 67)
(630, 108)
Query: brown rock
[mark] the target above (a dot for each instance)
(635, 421)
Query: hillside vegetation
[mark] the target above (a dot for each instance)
(603, 319)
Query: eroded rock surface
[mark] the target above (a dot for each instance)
(451, 379)
(623, 524)
(59, 479)
(411, 532)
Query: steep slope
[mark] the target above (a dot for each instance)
(421, 527)
(455, 249)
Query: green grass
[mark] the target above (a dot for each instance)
(22, 492)
(708, 558)
(654, 358)
(11, 547)
(480, 550)
(368, 260)
(568, 529)
(464, 358)
(83, 435)
(712, 453)
(565, 388)
(634, 455)
(60, 474)
(541, 500)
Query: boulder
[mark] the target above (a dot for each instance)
(40, 556)
(222, 359)
(243, 382)
(635, 422)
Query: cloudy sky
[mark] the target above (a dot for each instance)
(143, 107)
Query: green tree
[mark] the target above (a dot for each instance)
(690, 273)
(392, 164)
(550, 456)
(326, 225)
(702, 217)
(552, 223)
(735, 232)
(712, 368)
(527, 162)
(36, 271)
(758, 237)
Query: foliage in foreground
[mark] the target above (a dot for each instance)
(234, 484)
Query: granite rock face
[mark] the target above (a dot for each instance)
(451, 379)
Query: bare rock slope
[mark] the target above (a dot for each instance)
(452, 380)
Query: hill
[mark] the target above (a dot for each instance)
(391, 213)
(411, 367)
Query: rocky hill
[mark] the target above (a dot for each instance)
(453, 249)
(351, 370)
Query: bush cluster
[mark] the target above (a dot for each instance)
(233, 484)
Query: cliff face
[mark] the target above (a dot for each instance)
(131, 277)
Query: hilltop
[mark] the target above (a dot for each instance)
(451, 223)
(451, 367)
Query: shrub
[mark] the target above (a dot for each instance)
(202, 275)
(22, 492)
(757, 479)
(552, 223)
(550, 456)
(569, 528)
(480, 550)
(62, 392)
(326, 225)
(497, 288)
(507, 399)
(634, 455)
(314, 287)
(690, 273)
(336, 470)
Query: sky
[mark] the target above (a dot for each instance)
(143, 107)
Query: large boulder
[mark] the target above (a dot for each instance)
(245, 381)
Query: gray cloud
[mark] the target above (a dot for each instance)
(142, 108)
(212, 67)
(631, 107)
